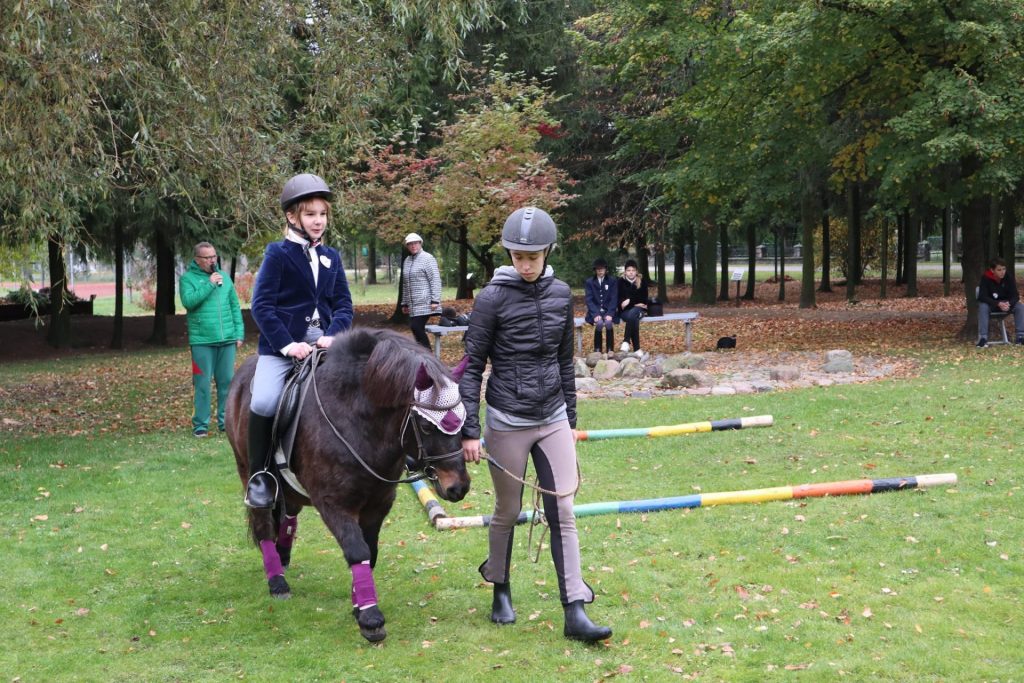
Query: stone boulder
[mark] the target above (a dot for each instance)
(631, 367)
(586, 385)
(593, 357)
(606, 369)
(683, 361)
(687, 379)
(784, 373)
(581, 368)
(838, 360)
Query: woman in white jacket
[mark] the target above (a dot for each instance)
(421, 287)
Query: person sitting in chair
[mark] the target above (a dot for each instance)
(998, 293)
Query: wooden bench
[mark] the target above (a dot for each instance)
(686, 318)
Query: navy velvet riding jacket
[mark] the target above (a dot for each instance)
(285, 296)
(525, 329)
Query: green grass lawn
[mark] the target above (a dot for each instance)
(127, 557)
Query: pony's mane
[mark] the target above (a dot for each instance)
(383, 364)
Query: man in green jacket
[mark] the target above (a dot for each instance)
(215, 331)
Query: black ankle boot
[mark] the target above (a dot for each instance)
(261, 491)
(501, 606)
(578, 625)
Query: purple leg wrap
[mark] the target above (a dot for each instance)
(286, 533)
(271, 560)
(364, 593)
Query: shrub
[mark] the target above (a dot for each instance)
(243, 287)
(147, 295)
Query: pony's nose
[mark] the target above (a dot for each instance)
(454, 492)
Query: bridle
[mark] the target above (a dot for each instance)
(424, 459)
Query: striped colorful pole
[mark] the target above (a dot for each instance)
(429, 501)
(835, 488)
(675, 430)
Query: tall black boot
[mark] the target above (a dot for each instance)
(597, 339)
(578, 625)
(261, 491)
(611, 339)
(501, 606)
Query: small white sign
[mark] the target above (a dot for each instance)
(737, 275)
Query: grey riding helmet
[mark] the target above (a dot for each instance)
(529, 229)
(304, 186)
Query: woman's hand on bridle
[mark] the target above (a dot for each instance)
(325, 342)
(471, 450)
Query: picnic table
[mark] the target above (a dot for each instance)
(686, 318)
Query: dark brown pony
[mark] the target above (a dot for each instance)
(375, 388)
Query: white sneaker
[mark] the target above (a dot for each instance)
(638, 353)
(625, 347)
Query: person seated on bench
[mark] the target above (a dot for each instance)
(997, 292)
(633, 301)
(602, 304)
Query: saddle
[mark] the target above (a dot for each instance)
(286, 418)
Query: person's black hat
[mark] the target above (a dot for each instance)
(599, 263)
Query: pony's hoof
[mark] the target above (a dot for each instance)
(279, 588)
(374, 635)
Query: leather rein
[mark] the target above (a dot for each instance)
(424, 459)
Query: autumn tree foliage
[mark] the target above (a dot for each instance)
(484, 164)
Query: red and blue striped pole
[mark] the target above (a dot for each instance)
(835, 488)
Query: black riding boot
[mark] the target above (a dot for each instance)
(501, 606)
(578, 625)
(261, 491)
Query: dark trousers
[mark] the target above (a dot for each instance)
(417, 324)
(632, 318)
(609, 329)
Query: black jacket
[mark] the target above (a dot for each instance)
(526, 331)
(991, 292)
(630, 290)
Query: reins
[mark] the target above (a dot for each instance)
(313, 360)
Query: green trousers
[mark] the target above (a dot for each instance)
(214, 362)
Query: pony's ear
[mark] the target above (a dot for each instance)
(423, 381)
(460, 369)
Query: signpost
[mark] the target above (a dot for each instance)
(737, 277)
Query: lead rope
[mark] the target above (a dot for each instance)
(538, 517)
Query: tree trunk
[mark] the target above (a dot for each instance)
(704, 264)
(910, 268)
(885, 257)
(659, 269)
(974, 217)
(852, 240)
(679, 256)
(826, 246)
(782, 264)
(117, 338)
(723, 240)
(1009, 224)
(643, 264)
(59, 334)
(463, 289)
(164, 254)
(751, 262)
(901, 246)
(809, 214)
(371, 262)
(947, 249)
